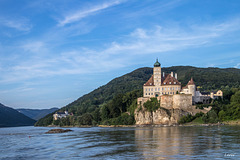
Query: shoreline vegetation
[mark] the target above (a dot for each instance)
(232, 122)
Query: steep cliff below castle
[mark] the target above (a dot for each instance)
(163, 116)
(160, 116)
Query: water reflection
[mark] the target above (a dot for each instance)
(216, 142)
(183, 142)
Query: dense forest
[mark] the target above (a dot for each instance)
(115, 102)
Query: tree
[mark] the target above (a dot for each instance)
(152, 105)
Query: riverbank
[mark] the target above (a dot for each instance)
(233, 122)
(194, 123)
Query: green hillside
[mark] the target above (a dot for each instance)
(12, 118)
(90, 107)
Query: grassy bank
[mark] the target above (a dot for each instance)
(232, 122)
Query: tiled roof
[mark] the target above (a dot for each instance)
(150, 82)
(169, 80)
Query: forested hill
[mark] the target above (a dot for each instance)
(10, 117)
(207, 78)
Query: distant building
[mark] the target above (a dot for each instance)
(59, 115)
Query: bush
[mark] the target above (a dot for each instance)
(152, 105)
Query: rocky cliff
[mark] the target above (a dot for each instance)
(160, 116)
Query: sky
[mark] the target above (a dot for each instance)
(53, 52)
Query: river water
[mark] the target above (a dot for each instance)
(202, 142)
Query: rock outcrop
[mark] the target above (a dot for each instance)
(58, 131)
(161, 116)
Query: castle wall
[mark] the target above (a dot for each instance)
(142, 100)
(177, 101)
(182, 101)
(166, 101)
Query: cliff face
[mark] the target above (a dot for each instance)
(160, 116)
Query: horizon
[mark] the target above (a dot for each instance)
(63, 50)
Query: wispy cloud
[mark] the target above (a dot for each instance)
(237, 65)
(158, 39)
(78, 15)
(163, 39)
(20, 24)
(33, 46)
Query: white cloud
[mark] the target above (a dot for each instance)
(20, 24)
(237, 65)
(33, 46)
(158, 39)
(162, 39)
(78, 15)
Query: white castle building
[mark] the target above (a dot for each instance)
(161, 83)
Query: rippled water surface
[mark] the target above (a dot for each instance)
(215, 142)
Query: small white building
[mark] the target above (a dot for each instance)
(59, 115)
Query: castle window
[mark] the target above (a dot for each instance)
(155, 89)
(151, 93)
(146, 89)
(162, 89)
(173, 92)
(173, 88)
(151, 89)
(146, 93)
(158, 89)
(170, 92)
(176, 88)
(168, 88)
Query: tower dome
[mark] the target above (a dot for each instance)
(157, 64)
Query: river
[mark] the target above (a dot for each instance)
(195, 142)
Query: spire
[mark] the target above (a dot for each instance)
(191, 82)
(157, 64)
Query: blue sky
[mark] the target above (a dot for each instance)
(53, 52)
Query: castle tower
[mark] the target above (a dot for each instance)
(192, 87)
(157, 76)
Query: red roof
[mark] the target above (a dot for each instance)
(169, 80)
(191, 82)
(150, 82)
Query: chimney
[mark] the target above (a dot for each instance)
(163, 74)
(172, 74)
(176, 75)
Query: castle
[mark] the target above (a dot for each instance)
(167, 89)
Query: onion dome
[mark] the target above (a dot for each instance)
(157, 64)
